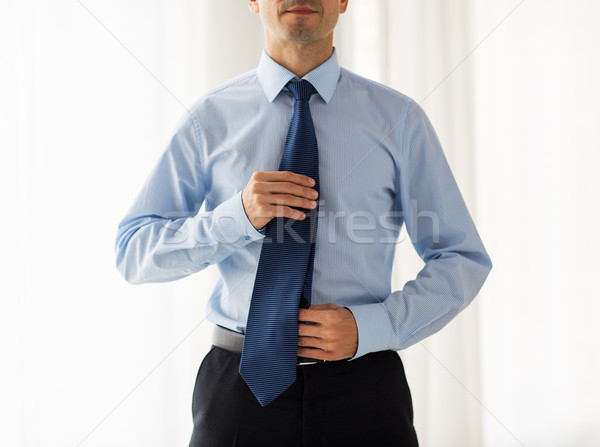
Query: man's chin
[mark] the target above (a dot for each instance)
(301, 33)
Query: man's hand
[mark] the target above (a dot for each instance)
(275, 193)
(334, 336)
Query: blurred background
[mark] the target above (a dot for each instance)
(90, 94)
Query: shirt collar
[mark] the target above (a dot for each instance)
(273, 77)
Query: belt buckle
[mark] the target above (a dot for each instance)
(304, 361)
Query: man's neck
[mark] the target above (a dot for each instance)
(299, 58)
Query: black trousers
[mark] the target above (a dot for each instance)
(363, 402)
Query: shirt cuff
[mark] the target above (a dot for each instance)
(230, 224)
(374, 328)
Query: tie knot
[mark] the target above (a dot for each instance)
(302, 90)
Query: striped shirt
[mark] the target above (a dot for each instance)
(381, 166)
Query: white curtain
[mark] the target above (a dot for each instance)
(536, 100)
(90, 93)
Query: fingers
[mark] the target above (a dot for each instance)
(323, 314)
(283, 176)
(276, 194)
(333, 334)
(310, 330)
(312, 342)
(291, 201)
(317, 348)
(292, 189)
(284, 183)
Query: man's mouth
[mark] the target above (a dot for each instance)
(301, 10)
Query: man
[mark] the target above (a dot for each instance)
(307, 173)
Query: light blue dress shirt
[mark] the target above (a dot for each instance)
(381, 166)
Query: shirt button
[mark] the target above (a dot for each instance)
(246, 238)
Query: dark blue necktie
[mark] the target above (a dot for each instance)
(285, 270)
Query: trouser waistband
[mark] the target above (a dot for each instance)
(234, 341)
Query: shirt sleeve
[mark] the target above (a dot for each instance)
(164, 236)
(443, 234)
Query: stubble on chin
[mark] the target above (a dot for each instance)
(301, 35)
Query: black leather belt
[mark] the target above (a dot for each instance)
(234, 341)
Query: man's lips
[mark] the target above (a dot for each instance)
(301, 10)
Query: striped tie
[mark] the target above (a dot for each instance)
(285, 270)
